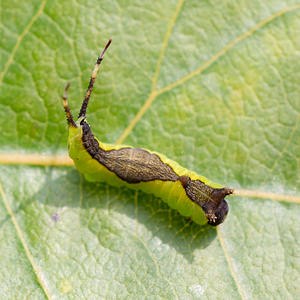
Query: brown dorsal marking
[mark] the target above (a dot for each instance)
(132, 165)
(184, 180)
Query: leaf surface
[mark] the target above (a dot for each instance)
(211, 84)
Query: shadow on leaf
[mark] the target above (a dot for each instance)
(120, 215)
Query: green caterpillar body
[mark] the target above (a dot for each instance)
(192, 195)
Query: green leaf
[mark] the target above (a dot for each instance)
(211, 84)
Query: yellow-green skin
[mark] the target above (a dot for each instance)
(169, 191)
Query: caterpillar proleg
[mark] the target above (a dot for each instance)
(192, 195)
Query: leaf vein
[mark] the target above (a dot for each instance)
(24, 244)
(228, 259)
(36, 159)
(153, 93)
(19, 40)
(198, 71)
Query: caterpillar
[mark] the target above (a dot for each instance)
(192, 195)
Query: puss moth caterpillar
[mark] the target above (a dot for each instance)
(192, 195)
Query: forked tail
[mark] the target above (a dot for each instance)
(70, 119)
(91, 84)
(85, 102)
